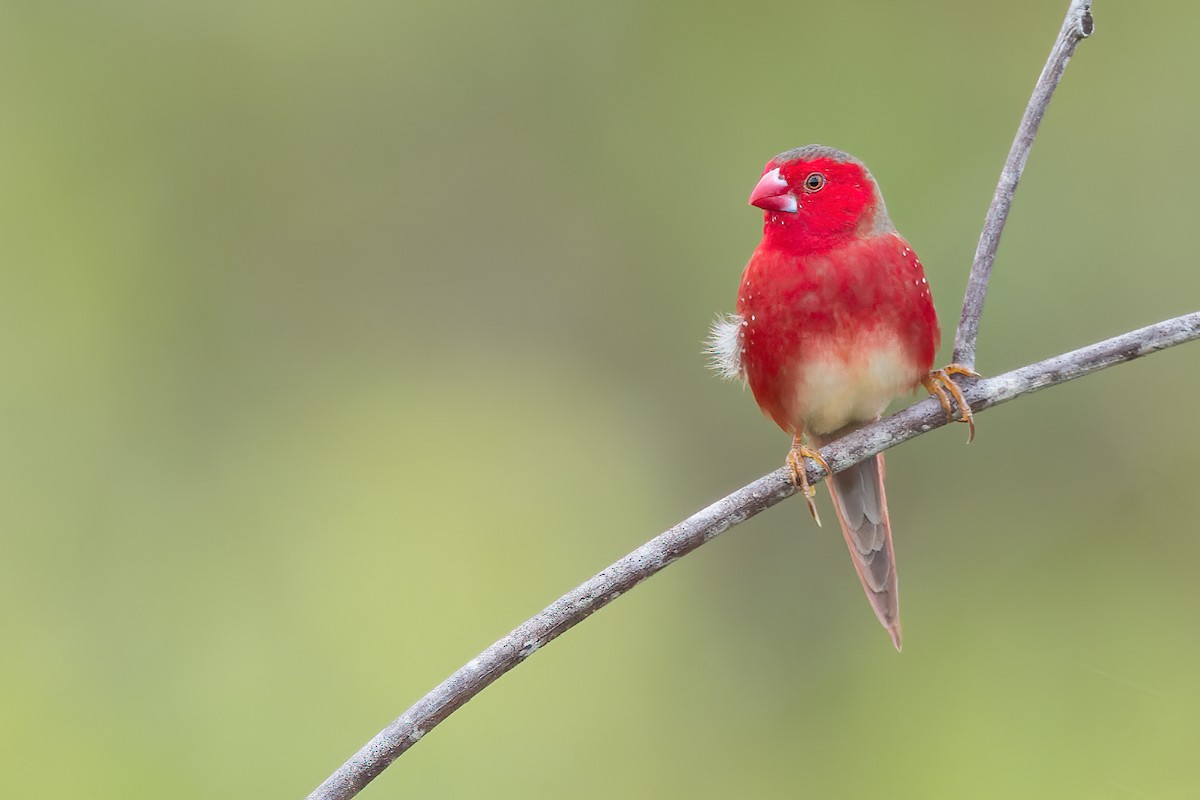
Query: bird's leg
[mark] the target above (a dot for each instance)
(795, 462)
(938, 383)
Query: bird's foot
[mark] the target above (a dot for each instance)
(795, 463)
(939, 384)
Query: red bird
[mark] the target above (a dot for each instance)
(834, 320)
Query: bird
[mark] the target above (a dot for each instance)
(834, 320)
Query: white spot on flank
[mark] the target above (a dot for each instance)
(724, 346)
(417, 734)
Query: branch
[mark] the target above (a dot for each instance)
(1076, 26)
(661, 551)
(587, 598)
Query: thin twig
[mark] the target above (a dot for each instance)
(592, 595)
(587, 598)
(1076, 26)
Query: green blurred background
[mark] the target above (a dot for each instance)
(343, 337)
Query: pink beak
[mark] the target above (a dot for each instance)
(772, 193)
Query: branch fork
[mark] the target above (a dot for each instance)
(922, 417)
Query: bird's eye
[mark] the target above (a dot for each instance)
(814, 182)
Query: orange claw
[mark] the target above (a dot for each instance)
(795, 462)
(939, 382)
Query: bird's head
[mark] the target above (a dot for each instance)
(820, 197)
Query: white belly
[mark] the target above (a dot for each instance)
(835, 389)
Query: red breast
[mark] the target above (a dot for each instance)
(837, 317)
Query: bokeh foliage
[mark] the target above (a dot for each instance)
(342, 337)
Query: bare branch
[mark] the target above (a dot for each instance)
(592, 595)
(1076, 26)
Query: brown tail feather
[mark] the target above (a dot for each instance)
(861, 506)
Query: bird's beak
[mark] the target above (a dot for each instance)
(772, 194)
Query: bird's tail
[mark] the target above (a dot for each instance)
(861, 505)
